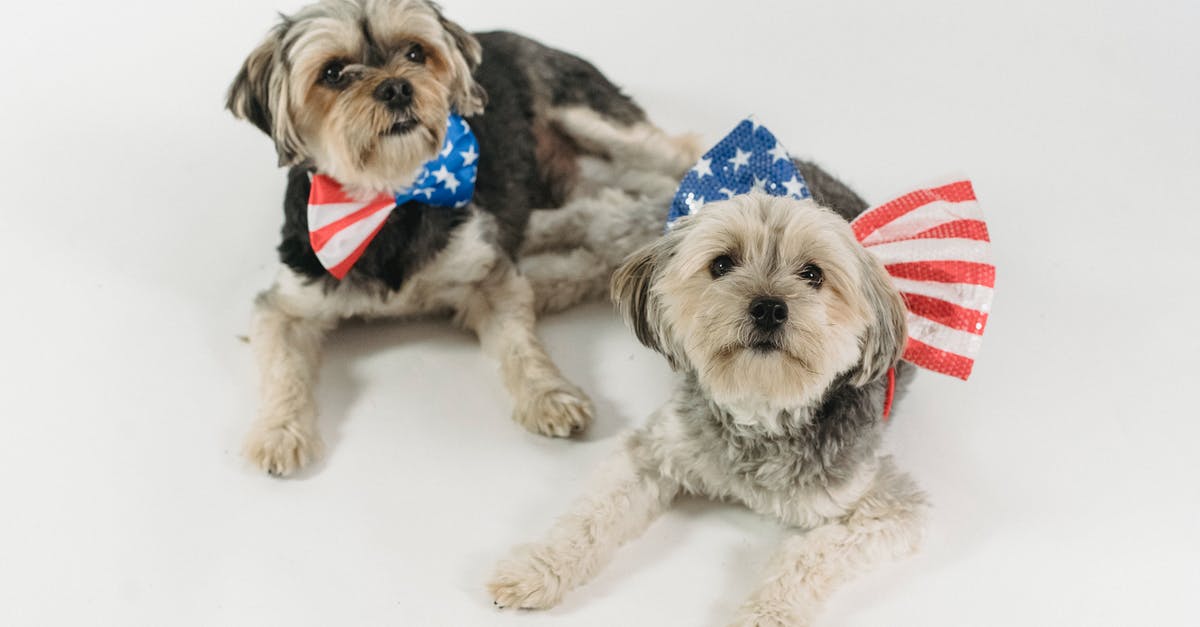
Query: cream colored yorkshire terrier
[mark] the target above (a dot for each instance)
(784, 330)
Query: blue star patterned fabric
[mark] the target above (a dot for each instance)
(747, 159)
(449, 179)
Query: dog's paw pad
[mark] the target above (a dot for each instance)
(558, 413)
(281, 451)
(525, 583)
(769, 615)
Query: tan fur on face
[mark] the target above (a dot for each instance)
(704, 321)
(343, 131)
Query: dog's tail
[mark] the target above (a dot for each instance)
(618, 205)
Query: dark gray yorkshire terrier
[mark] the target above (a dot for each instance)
(570, 178)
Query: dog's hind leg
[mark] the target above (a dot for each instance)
(626, 495)
(501, 312)
(886, 524)
(641, 146)
(571, 252)
(284, 437)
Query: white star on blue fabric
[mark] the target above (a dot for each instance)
(796, 187)
(742, 158)
(469, 156)
(443, 180)
(750, 159)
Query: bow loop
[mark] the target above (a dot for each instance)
(935, 245)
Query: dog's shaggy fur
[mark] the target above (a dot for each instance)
(553, 133)
(782, 328)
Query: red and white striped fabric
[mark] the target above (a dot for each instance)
(339, 226)
(934, 243)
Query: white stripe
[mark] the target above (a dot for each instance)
(919, 220)
(936, 249)
(943, 337)
(975, 297)
(346, 240)
(323, 215)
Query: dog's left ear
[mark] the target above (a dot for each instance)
(467, 96)
(631, 291)
(259, 96)
(886, 335)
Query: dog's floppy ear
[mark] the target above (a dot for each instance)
(467, 96)
(259, 95)
(631, 291)
(886, 336)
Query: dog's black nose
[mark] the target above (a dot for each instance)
(768, 313)
(396, 93)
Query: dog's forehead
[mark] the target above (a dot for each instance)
(347, 26)
(391, 20)
(756, 224)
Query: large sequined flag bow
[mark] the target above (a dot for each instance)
(341, 227)
(934, 242)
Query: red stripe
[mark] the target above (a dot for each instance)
(958, 229)
(938, 360)
(946, 313)
(321, 236)
(326, 191)
(869, 222)
(343, 268)
(946, 272)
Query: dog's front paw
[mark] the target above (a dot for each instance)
(282, 450)
(759, 614)
(557, 412)
(526, 581)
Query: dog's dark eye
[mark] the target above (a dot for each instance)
(721, 266)
(332, 74)
(416, 54)
(814, 275)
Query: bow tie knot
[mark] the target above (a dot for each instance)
(342, 227)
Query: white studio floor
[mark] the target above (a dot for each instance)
(140, 220)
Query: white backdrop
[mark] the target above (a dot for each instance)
(139, 219)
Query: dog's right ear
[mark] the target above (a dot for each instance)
(468, 96)
(255, 95)
(631, 291)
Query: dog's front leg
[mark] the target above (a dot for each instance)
(284, 438)
(501, 312)
(624, 498)
(886, 524)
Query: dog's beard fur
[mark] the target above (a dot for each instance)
(344, 130)
(853, 320)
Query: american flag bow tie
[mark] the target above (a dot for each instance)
(933, 242)
(340, 227)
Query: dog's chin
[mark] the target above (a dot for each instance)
(764, 347)
(401, 128)
(380, 159)
(763, 371)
